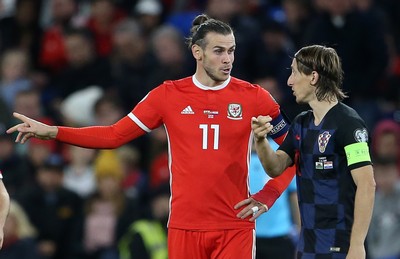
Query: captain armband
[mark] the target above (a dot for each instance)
(280, 127)
(357, 152)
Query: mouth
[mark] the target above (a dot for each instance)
(226, 70)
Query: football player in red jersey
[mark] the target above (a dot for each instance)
(207, 118)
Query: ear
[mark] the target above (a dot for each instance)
(197, 52)
(314, 78)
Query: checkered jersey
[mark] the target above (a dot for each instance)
(326, 188)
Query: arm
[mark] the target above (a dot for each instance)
(274, 163)
(265, 198)
(4, 208)
(89, 137)
(363, 206)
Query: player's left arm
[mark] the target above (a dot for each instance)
(363, 206)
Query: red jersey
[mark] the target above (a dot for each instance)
(210, 137)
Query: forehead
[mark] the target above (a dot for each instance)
(214, 39)
(294, 64)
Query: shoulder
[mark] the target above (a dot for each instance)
(302, 117)
(346, 117)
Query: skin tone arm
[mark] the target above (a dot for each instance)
(274, 163)
(4, 208)
(364, 179)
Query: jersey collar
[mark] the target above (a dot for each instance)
(214, 88)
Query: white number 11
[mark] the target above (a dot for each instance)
(204, 128)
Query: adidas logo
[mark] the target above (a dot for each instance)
(187, 110)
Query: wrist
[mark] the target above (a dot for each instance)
(53, 132)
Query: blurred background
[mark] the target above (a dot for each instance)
(89, 62)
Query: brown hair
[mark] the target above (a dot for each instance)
(202, 25)
(326, 62)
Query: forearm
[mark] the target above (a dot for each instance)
(101, 136)
(270, 160)
(363, 206)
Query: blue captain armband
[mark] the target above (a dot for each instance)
(280, 127)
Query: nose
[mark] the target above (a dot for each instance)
(290, 81)
(227, 58)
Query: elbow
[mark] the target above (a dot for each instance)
(273, 172)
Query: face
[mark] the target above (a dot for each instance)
(301, 85)
(216, 59)
(386, 176)
(79, 51)
(387, 144)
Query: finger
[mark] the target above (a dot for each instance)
(19, 137)
(19, 116)
(26, 137)
(14, 128)
(246, 212)
(242, 203)
(256, 215)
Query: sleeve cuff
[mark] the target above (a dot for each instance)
(267, 196)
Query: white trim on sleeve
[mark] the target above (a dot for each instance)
(138, 122)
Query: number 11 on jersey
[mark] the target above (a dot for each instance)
(215, 128)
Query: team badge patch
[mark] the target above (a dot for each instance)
(361, 135)
(234, 111)
(323, 140)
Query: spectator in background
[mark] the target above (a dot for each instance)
(158, 157)
(19, 235)
(149, 15)
(103, 18)
(147, 237)
(107, 110)
(384, 233)
(84, 68)
(29, 101)
(52, 56)
(108, 212)
(386, 140)
(298, 14)
(132, 65)
(14, 75)
(79, 172)
(135, 180)
(168, 46)
(278, 229)
(250, 54)
(354, 34)
(18, 174)
(54, 211)
(22, 29)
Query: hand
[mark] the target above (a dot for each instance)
(31, 128)
(250, 203)
(261, 126)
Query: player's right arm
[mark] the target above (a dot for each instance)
(274, 162)
(89, 137)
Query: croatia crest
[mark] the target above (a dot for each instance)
(323, 140)
(234, 111)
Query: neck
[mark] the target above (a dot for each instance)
(320, 109)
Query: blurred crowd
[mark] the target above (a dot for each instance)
(89, 62)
